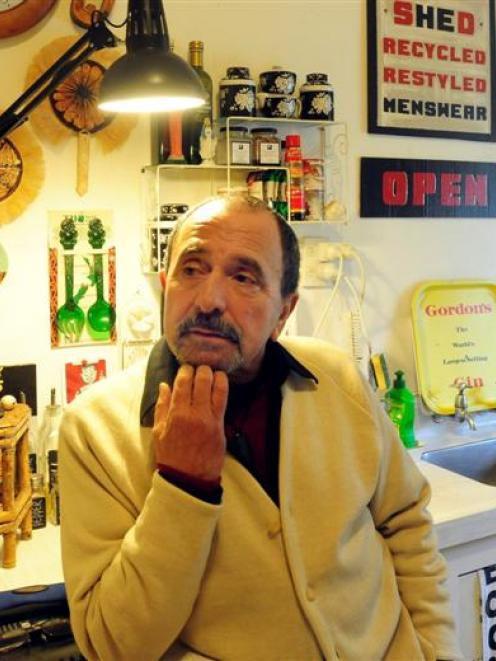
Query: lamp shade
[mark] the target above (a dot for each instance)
(149, 77)
(150, 80)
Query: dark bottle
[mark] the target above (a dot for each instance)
(194, 120)
(160, 141)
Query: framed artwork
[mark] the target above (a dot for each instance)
(82, 268)
(79, 376)
(430, 68)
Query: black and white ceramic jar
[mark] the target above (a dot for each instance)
(317, 98)
(278, 81)
(237, 93)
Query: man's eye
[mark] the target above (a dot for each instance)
(245, 279)
(190, 270)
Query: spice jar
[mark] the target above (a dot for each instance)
(240, 147)
(266, 146)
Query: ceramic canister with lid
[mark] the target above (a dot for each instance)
(237, 93)
(317, 98)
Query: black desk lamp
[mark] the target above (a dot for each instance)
(148, 78)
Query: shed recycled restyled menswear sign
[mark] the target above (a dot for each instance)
(429, 68)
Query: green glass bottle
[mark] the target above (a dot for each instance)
(400, 406)
(194, 120)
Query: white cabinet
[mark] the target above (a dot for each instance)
(166, 185)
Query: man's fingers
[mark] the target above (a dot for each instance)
(182, 390)
(163, 403)
(220, 391)
(202, 386)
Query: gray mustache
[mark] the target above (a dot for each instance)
(209, 322)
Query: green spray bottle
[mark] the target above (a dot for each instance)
(400, 406)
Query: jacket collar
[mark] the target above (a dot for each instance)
(162, 367)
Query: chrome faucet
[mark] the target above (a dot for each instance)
(461, 406)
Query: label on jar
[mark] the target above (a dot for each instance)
(269, 153)
(240, 153)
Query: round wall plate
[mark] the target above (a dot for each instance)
(17, 16)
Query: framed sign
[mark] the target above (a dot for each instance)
(430, 66)
(454, 323)
(417, 188)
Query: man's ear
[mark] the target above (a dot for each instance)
(163, 278)
(288, 305)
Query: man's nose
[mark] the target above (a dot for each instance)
(212, 294)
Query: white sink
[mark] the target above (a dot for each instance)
(476, 460)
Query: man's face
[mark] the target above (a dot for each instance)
(223, 293)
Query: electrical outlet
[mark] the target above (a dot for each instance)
(318, 263)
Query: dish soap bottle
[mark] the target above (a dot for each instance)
(400, 406)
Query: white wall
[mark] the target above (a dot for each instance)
(326, 35)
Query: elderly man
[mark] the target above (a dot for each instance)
(244, 498)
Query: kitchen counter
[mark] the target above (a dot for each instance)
(38, 561)
(462, 509)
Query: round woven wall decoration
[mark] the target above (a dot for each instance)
(72, 107)
(22, 172)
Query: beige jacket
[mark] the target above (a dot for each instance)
(346, 568)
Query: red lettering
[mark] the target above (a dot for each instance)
(476, 190)
(403, 76)
(418, 78)
(443, 79)
(450, 189)
(403, 14)
(388, 45)
(466, 23)
(430, 310)
(480, 84)
(403, 47)
(424, 183)
(468, 84)
(394, 188)
(480, 57)
(467, 55)
(454, 84)
(389, 75)
(417, 50)
(440, 50)
(430, 50)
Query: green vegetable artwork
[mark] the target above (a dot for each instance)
(78, 276)
(101, 315)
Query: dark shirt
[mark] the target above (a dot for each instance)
(251, 421)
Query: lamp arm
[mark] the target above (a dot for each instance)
(97, 36)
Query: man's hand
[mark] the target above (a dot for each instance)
(188, 430)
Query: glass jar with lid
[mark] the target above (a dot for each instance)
(240, 146)
(266, 146)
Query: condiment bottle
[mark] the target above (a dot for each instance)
(294, 163)
(400, 406)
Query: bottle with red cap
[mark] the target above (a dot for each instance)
(294, 162)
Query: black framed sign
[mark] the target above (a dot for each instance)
(414, 188)
(430, 65)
